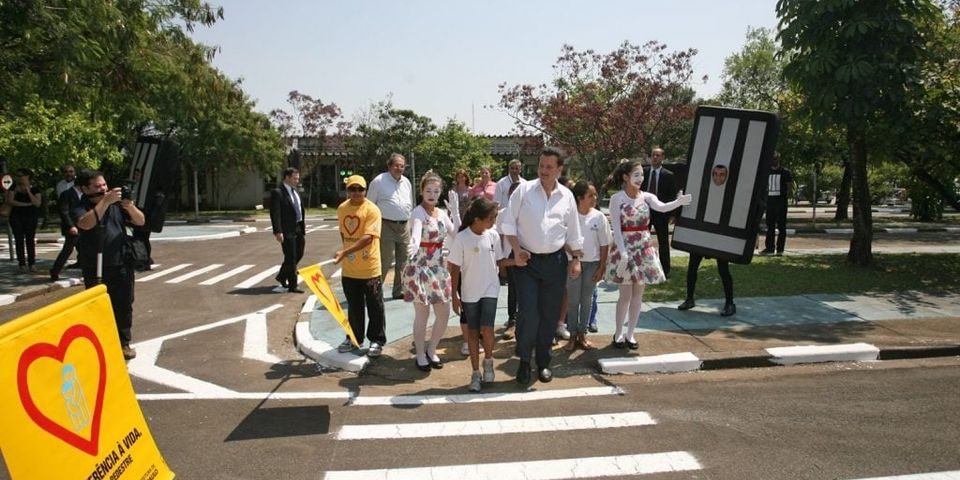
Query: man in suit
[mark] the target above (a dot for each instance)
(660, 182)
(286, 217)
(66, 202)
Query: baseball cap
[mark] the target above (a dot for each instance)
(355, 180)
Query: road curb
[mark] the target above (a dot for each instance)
(214, 236)
(37, 290)
(773, 357)
(322, 352)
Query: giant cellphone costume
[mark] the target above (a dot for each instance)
(722, 220)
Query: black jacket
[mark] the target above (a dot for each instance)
(666, 187)
(66, 202)
(283, 216)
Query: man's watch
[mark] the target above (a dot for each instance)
(575, 257)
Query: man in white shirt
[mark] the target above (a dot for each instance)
(541, 220)
(505, 187)
(69, 175)
(392, 193)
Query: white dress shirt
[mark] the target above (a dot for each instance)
(502, 196)
(541, 224)
(393, 197)
(63, 186)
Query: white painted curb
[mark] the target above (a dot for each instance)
(671, 362)
(325, 354)
(901, 230)
(215, 236)
(854, 352)
(839, 230)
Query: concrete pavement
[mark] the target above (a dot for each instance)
(764, 332)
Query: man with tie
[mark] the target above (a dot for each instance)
(286, 218)
(660, 182)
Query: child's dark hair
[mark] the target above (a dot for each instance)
(580, 189)
(479, 208)
(626, 166)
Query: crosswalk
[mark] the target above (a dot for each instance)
(218, 273)
(356, 437)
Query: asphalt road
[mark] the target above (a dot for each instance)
(831, 421)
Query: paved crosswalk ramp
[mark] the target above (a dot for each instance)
(471, 435)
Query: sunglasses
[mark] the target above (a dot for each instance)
(355, 189)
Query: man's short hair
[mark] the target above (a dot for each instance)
(394, 157)
(86, 175)
(289, 171)
(515, 161)
(553, 152)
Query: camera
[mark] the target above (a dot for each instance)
(126, 191)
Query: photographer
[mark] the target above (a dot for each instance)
(102, 215)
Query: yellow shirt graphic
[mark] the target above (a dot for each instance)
(355, 221)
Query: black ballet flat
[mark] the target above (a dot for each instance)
(436, 365)
(632, 345)
(621, 344)
(422, 368)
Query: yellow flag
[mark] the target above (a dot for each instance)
(319, 286)
(68, 408)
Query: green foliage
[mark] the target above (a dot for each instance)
(926, 205)
(453, 147)
(45, 136)
(383, 130)
(753, 77)
(817, 274)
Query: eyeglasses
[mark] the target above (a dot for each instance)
(355, 189)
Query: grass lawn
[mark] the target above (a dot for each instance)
(811, 274)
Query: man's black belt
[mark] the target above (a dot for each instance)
(545, 254)
(400, 222)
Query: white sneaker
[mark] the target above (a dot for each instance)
(475, 382)
(488, 373)
(346, 346)
(563, 333)
(465, 349)
(375, 350)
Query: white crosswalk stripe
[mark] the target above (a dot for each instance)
(256, 279)
(195, 273)
(226, 275)
(524, 467)
(163, 273)
(494, 427)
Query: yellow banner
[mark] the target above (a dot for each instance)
(68, 408)
(318, 285)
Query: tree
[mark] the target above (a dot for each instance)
(382, 130)
(602, 107)
(853, 61)
(451, 148)
(753, 77)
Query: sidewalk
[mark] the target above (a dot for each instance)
(830, 327)
(15, 285)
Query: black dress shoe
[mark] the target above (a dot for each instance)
(422, 368)
(686, 305)
(54, 277)
(619, 343)
(632, 344)
(436, 365)
(523, 374)
(295, 290)
(728, 309)
(545, 375)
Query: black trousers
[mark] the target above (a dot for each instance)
(293, 246)
(119, 282)
(723, 267)
(25, 236)
(69, 244)
(661, 226)
(367, 293)
(540, 287)
(776, 220)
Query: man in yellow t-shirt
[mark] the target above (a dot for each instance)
(359, 220)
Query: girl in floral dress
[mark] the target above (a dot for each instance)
(633, 255)
(426, 280)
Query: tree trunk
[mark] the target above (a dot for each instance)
(843, 195)
(860, 253)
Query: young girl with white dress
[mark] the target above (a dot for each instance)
(634, 262)
(426, 279)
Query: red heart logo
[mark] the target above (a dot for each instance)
(351, 223)
(58, 352)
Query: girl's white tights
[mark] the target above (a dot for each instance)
(442, 313)
(628, 309)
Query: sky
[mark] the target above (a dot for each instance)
(445, 59)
